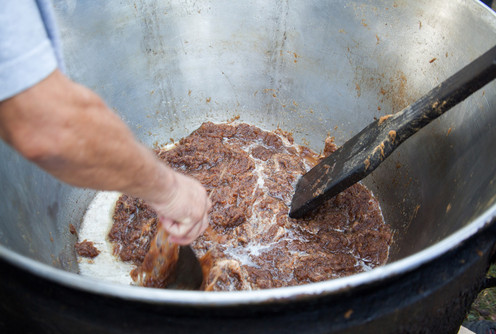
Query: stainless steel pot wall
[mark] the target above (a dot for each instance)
(309, 67)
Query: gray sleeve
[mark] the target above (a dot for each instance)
(27, 53)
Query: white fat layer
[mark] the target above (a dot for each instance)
(95, 227)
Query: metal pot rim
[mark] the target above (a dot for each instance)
(199, 298)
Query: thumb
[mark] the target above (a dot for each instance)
(166, 223)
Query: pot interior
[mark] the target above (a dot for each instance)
(311, 68)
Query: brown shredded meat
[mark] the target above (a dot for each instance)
(251, 242)
(86, 249)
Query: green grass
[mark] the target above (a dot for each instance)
(484, 307)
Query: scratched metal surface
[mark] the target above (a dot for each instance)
(309, 67)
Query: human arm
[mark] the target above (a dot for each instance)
(68, 131)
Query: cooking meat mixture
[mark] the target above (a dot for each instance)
(86, 249)
(251, 243)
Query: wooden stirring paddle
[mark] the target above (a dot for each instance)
(170, 266)
(363, 153)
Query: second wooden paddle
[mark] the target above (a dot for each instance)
(363, 153)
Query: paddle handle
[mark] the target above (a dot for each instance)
(442, 98)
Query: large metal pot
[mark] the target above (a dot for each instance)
(309, 67)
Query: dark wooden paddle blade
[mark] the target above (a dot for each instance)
(189, 274)
(363, 153)
(170, 266)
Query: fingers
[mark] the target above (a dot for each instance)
(185, 233)
(191, 235)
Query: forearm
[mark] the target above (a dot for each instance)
(68, 131)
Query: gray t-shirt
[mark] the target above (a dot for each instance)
(29, 45)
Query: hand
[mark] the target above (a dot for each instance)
(183, 213)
